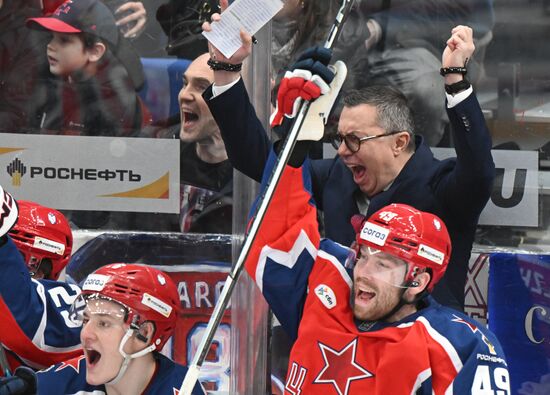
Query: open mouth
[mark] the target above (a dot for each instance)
(363, 296)
(92, 357)
(358, 172)
(190, 117)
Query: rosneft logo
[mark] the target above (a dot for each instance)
(16, 169)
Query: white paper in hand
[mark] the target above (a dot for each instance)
(250, 15)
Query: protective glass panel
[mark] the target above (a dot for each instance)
(128, 147)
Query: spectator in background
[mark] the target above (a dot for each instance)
(21, 59)
(131, 15)
(134, 21)
(205, 172)
(181, 21)
(304, 23)
(404, 45)
(394, 42)
(93, 78)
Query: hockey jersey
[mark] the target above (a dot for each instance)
(35, 324)
(70, 378)
(437, 350)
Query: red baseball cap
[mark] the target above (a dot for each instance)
(93, 17)
(80, 16)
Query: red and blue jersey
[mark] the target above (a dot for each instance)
(35, 324)
(69, 377)
(437, 350)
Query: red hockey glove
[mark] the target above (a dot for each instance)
(296, 86)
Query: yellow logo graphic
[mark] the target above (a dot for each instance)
(16, 169)
(158, 189)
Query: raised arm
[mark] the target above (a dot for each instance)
(245, 139)
(284, 251)
(44, 333)
(466, 189)
(34, 315)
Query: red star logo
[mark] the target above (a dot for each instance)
(341, 368)
(176, 391)
(73, 363)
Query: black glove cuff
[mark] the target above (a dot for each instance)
(299, 153)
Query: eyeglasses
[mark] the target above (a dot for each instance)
(353, 143)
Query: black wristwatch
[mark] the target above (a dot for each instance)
(457, 87)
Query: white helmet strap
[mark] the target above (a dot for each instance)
(129, 357)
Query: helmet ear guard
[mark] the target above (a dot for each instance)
(414, 283)
(141, 337)
(138, 328)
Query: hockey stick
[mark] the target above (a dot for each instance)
(194, 369)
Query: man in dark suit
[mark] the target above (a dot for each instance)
(384, 162)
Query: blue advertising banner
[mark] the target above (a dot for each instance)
(519, 315)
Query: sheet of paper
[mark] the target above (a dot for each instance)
(250, 15)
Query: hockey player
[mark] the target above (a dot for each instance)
(35, 328)
(44, 237)
(362, 319)
(127, 313)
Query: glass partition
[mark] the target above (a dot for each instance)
(114, 132)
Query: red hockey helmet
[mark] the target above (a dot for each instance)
(42, 233)
(147, 294)
(419, 238)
